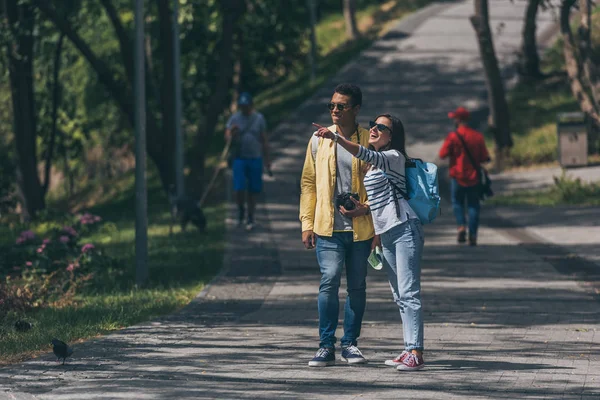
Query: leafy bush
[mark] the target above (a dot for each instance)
(51, 267)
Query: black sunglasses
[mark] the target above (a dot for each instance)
(380, 127)
(339, 106)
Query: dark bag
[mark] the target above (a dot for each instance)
(484, 182)
(236, 142)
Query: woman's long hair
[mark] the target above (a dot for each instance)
(398, 141)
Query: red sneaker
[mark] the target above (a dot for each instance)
(411, 362)
(398, 360)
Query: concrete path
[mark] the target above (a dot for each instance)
(502, 321)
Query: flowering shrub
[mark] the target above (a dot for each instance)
(50, 268)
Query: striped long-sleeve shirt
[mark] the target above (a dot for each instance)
(387, 166)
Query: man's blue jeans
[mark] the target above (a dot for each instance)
(471, 195)
(332, 253)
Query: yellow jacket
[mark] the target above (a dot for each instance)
(317, 188)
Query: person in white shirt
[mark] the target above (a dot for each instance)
(398, 229)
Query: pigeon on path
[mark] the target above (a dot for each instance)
(61, 350)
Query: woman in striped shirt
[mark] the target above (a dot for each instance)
(397, 227)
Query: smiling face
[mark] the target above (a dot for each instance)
(380, 138)
(347, 116)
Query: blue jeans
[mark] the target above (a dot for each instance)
(402, 248)
(332, 253)
(471, 194)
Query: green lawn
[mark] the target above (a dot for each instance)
(182, 264)
(534, 107)
(565, 191)
(179, 266)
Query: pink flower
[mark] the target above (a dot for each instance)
(20, 240)
(47, 241)
(64, 239)
(29, 263)
(28, 235)
(40, 250)
(87, 247)
(97, 218)
(69, 230)
(71, 267)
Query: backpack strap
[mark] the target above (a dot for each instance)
(394, 189)
(314, 143)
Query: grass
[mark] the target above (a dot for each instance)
(180, 265)
(565, 191)
(534, 107)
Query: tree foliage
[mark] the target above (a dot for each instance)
(82, 107)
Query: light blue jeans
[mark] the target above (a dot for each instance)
(332, 253)
(402, 250)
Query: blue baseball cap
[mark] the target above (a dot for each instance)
(245, 99)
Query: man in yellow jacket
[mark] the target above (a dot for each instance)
(335, 219)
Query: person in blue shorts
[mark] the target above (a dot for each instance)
(247, 130)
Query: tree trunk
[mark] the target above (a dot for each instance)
(499, 122)
(20, 19)
(121, 93)
(167, 86)
(125, 44)
(312, 55)
(56, 95)
(573, 65)
(529, 62)
(590, 69)
(231, 11)
(350, 17)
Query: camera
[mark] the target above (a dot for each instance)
(344, 200)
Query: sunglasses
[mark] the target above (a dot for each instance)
(380, 127)
(339, 106)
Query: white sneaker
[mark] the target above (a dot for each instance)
(249, 226)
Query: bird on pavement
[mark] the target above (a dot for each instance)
(61, 350)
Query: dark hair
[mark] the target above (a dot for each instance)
(349, 89)
(398, 141)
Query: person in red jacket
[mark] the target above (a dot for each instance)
(463, 173)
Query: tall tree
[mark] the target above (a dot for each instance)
(56, 96)
(119, 88)
(312, 54)
(231, 11)
(499, 118)
(575, 67)
(529, 60)
(350, 17)
(19, 19)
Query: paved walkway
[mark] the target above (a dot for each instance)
(503, 320)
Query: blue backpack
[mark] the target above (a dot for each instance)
(423, 192)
